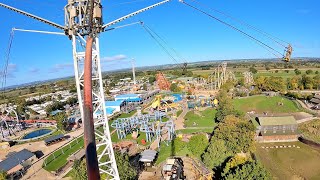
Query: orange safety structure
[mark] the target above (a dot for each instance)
(162, 81)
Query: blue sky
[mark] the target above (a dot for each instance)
(195, 36)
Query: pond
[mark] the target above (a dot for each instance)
(36, 133)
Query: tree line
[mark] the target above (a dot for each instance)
(229, 153)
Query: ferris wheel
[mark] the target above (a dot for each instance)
(9, 123)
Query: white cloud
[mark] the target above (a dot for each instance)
(11, 69)
(59, 67)
(34, 70)
(114, 58)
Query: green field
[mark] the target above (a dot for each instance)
(62, 155)
(311, 130)
(126, 115)
(190, 131)
(179, 112)
(172, 150)
(202, 119)
(261, 72)
(261, 104)
(142, 135)
(291, 163)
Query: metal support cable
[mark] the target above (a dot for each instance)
(5, 68)
(233, 27)
(273, 38)
(133, 14)
(160, 44)
(164, 41)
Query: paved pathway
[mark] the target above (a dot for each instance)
(179, 122)
(308, 108)
(46, 151)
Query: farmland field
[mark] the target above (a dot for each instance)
(311, 130)
(261, 72)
(290, 163)
(261, 104)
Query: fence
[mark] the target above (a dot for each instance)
(67, 150)
(38, 165)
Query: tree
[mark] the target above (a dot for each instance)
(287, 71)
(267, 68)
(145, 87)
(309, 71)
(3, 175)
(297, 71)
(188, 73)
(60, 119)
(234, 162)
(79, 170)
(253, 70)
(112, 84)
(32, 89)
(216, 154)
(294, 82)
(317, 72)
(249, 170)
(125, 169)
(276, 71)
(307, 82)
(71, 100)
(241, 81)
(225, 107)
(237, 134)
(152, 79)
(174, 87)
(197, 144)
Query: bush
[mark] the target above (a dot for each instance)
(309, 71)
(198, 144)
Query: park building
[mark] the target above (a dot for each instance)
(16, 164)
(277, 129)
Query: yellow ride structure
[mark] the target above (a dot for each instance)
(163, 105)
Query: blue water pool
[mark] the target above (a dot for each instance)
(37, 133)
(177, 97)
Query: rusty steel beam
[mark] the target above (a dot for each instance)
(89, 136)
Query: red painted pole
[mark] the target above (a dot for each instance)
(89, 136)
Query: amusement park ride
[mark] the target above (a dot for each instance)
(151, 125)
(83, 24)
(10, 121)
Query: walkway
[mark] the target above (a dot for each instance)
(32, 171)
(307, 107)
(179, 122)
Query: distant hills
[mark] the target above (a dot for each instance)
(159, 67)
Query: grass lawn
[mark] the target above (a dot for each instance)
(62, 159)
(190, 131)
(179, 112)
(126, 115)
(311, 130)
(261, 104)
(202, 119)
(168, 151)
(291, 163)
(142, 135)
(165, 119)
